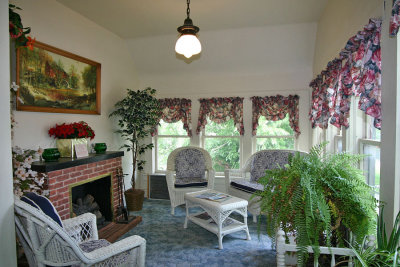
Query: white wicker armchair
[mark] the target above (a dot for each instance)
(242, 176)
(45, 242)
(176, 194)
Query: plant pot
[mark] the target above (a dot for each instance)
(66, 146)
(134, 199)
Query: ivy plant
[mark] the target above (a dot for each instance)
(320, 198)
(138, 115)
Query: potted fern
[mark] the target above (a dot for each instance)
(320, 198)
(138, 115)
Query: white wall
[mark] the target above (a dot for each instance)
(341, 20)
(7, 232)
(56, 25)
(241, 62)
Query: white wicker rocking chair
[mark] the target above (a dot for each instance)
(176, 194)
(45, 242)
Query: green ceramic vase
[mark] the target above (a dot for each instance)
(51, 154)
(100, 148)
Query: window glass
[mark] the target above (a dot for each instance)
(274, 143)
(170, 136)
(165, 145)
(175, 128)
(222, 141)
(372, 132)
(227, 128)
(274, 134)
(372, 165)
(281, 127)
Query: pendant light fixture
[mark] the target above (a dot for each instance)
(188, 44)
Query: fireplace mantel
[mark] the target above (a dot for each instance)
(63, 163)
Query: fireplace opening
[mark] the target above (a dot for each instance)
(94, 196)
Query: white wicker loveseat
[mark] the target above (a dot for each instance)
(242, 183)
(189, 169)
(73, 243)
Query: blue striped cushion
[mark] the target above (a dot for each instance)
(45, 205)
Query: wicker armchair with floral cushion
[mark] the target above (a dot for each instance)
(189, 169)
(48, 241)
(242, 183)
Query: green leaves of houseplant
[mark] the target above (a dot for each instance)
(387, 251)
(138, 114)
(320, 198)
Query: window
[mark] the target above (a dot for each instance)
(222, 141)
(370, 147)
(170, 136)
(274, 134)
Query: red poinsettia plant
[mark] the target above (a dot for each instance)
(72, 130)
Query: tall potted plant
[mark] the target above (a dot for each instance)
(138, 115)
(320, 198)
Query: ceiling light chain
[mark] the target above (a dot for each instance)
(188, 8)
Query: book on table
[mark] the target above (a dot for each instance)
(206, 217)
(214, 196)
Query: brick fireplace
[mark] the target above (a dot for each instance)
(67, 173)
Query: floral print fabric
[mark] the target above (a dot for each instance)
(395, 19)
(176, 109)
(190, 163)
(275, 108)
(268, 160)
(220, 110)
(357, 72)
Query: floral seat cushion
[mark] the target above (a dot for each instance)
(190, 182)
(190, 168)
(246, 185)
(92, 245)
(268, 160)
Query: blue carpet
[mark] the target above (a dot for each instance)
(170, 245)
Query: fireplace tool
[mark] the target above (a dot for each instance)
(121, 210)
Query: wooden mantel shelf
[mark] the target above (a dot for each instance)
(63, 163)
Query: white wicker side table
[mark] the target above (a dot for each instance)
(220, 222)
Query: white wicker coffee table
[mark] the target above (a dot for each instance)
(216, 215)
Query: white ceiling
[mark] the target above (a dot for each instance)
(140, 18)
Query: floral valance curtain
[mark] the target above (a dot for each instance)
(176, 109)
(395, 19)
(357, 71)
(220, 110)
(275, 108)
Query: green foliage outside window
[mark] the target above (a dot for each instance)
(165, 145)
(224, 151)
(274, 128)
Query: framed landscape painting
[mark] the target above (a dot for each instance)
(54, 80)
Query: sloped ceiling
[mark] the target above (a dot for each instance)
(142, 18)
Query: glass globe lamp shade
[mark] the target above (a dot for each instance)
(188, 45)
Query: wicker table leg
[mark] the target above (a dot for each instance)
(220, 236)
(245, 222)
(187, 214)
